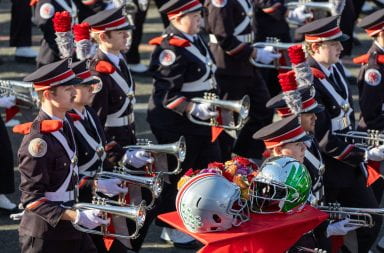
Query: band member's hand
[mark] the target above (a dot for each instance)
(341, 227)
(90, 219)
(137, 158)
(265, 55)
(110, 187)
(7, 102)
(299, 15)
(375, 154)
(202, 111)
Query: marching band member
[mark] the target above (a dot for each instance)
(7, 178)
(183, 68)
(343, 178)
(312, 157)
(229, 24)
(95, 155)
(43, 12)
(48, 168)
(370, 81)
(114, 103)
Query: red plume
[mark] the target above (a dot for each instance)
(296, 54)
(62, 21)
(81, 31)
(287, 81)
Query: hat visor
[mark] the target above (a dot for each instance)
(319, 108)
(306, 137)
(127, 27)
(343, 37)
(90, 82)
(73, 81)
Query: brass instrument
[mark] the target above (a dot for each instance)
(26, 97)
(135, 213)
(371, 138)
(177, 149)
(276, 47)
(241, 107)
(154, 184)
(357, 216)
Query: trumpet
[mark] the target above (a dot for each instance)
(357, 216)
(276, 47)
(154, 184)
(26, 97)
(109, 207)
(318, 6)
(241, 107)
(371, 138)
(177, 149)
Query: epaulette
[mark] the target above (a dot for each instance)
(317, 73)
(74, 116)
(46, 126)
(33, 2)
(173, 41)
(105, 67)
(363, 59)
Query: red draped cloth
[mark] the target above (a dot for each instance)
(264, 233)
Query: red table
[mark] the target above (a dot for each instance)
(264, 233)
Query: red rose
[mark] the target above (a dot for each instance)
(217, 165)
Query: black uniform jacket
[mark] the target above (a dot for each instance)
(225, 23)
(42, 18)
(341, 159)
(112, 98)
(180, 72)
(43, 168)
(371, 91)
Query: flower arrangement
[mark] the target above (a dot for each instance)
(239, 170)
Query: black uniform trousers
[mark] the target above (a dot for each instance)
(31, 244)
(234, 88)
(358, 195)
(200, 152)
(133, 55)
(21, 24)
(7, 182)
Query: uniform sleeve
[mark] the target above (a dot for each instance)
(333, 145)
(42, 19)
(168, 80)
(101, 100)
(371, 100)
(273, 8)
(222, 25)
(34, 183)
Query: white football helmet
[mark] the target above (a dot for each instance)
(209, 203)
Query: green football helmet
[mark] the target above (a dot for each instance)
(282, 185)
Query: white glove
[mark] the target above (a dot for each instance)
(375, 154)
(202, 111)
(265, 55)
(110, 187)
(90, 219)
(299, 15)
(137, 158)
(341, 227)
(7, 102)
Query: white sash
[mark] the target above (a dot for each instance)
(247, 19)
(336, 122)
(71, 9)
(62, 194)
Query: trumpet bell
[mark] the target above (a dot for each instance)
(135, 213)
(26, 96)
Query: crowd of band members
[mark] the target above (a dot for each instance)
(185, 65)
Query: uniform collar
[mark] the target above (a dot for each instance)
(115, 59)
(82, 115)
(326, 71)
(51, 116)
(379, 46)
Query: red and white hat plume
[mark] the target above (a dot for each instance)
(83, 41)
(291, 95)
(303, 72)
(62, 22)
